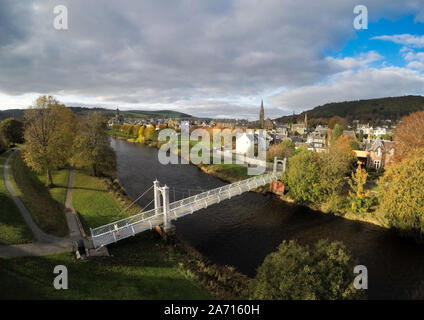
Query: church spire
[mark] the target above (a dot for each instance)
(261, 116)
(306, 120)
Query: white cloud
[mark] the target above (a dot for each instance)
(203, 57)
(404, 39)
(363, 60)
(353, 85)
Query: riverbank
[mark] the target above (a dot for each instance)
(100, 200)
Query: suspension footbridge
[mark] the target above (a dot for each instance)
(165, 211)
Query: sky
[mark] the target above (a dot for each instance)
(210, 58)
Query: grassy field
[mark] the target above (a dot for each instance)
(138, 269)
(60, 180)
(46, 206)
(226, 172)
(13, 229)
(92, 200)
(143, 267)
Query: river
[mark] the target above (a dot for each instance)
(241, 231)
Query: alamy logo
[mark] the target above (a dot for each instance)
(60, 281)
(361, 280)
(60, 21)
(361, 20)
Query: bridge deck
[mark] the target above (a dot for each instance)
(143, 221)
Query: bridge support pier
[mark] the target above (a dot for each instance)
(156, 190)
(276, 161)
(167, 226)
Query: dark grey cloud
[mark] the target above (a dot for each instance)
(178, 53)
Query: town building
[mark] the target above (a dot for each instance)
(300, 128)
(379, 153)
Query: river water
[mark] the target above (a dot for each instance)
(243, 230)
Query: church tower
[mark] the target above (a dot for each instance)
(261, 116)
(306, 121)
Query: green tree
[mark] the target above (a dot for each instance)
(336, 133)
(361, 135)
(335, 167)
(303, 177)
(12, 130)
(92, 146)
(401, 194)
(49, 136)
(355, 145)
(288, 148)
(3, 144)
(294, 272)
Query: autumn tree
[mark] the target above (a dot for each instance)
(337, 120)
(150, 133)
(116, 127)
(49, 136)
(295, 272)
(283, 150)
(402, 194)
(12, 130)
(134, 130)
(92, 146)
(359, 198)
(409, 135)
(140, 135)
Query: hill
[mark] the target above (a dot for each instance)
(129, 114)
(369, 110)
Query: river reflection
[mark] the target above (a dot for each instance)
(242, 231)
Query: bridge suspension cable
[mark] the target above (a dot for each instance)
(132, 203)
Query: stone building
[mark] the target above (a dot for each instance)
(379, 153)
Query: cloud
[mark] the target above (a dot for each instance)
(353, 85)
(404, 39)
(348, 63)
(211, 57)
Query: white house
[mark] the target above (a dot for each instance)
(379, 131)
(244, 143)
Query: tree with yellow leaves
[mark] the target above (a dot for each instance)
(49, 135)
(150, 133)
(359, 198)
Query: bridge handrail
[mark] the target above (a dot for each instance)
(190, 201)
(119, 222)
(130, 224)
(233, 186)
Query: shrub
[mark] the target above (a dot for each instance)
(324, 272)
